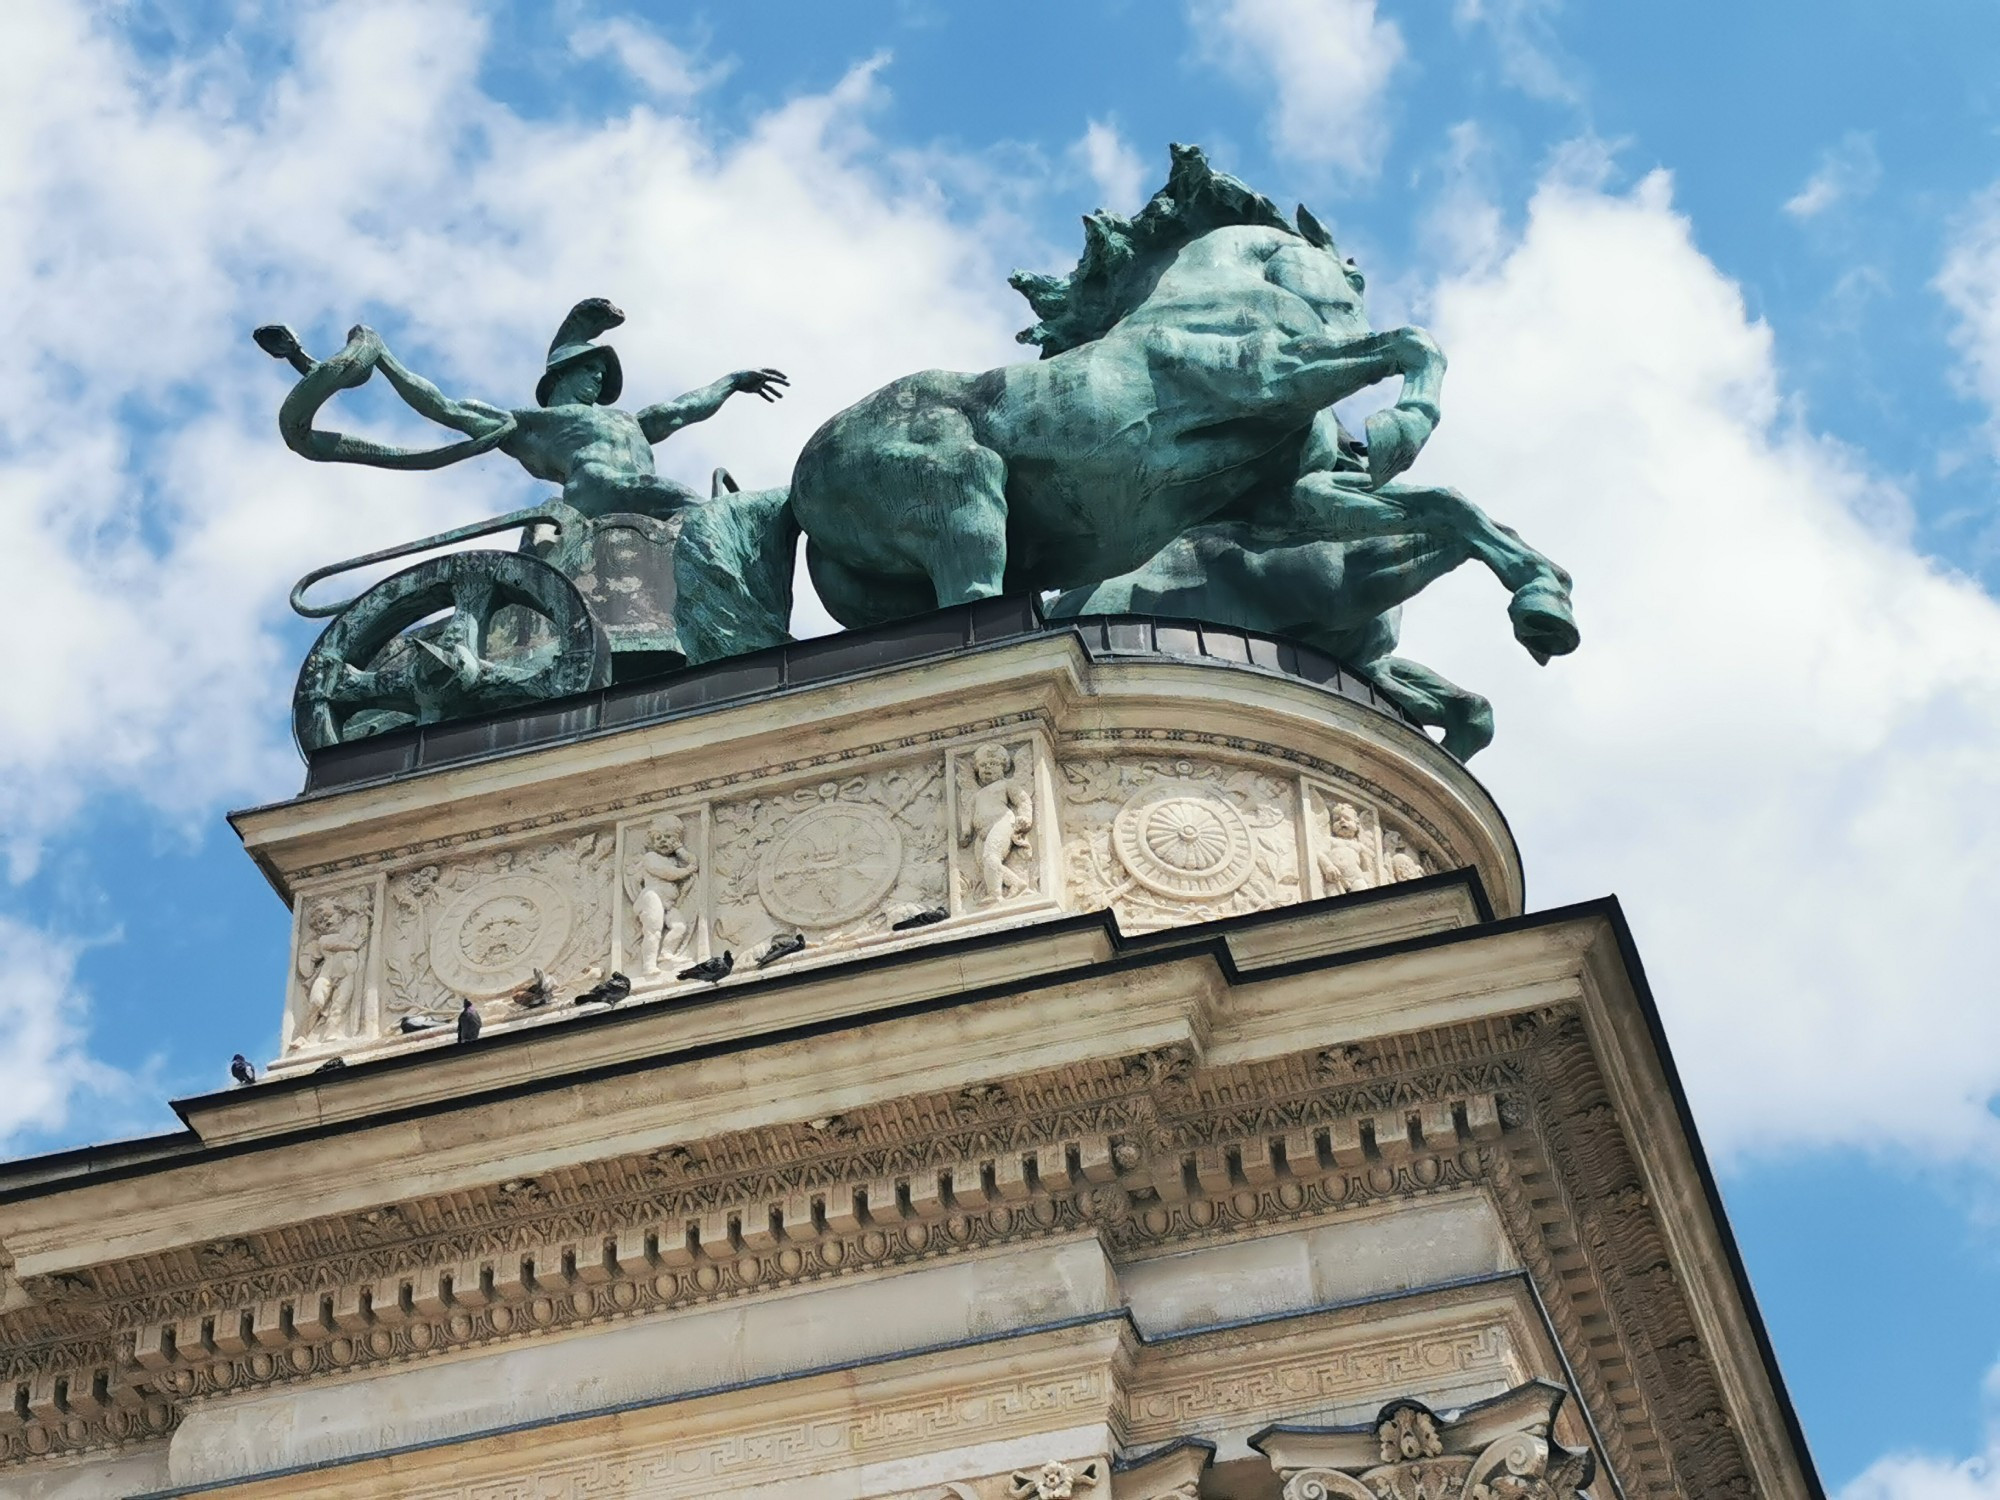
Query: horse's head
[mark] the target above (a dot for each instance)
(1124, 259)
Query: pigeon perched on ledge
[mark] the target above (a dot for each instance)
(240, 1069)
(331, 1065)
(469, 1022)
(538, 991)
(784, 945)
(412, 1025)
(922, 918)
(714, 970)
(606, 991)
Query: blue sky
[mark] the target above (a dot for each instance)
(1721, 288)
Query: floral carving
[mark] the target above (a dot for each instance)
(1165, 842)
(1056, 1480)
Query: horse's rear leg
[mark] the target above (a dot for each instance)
(962, 541)
(1433, 700)
(858, 599)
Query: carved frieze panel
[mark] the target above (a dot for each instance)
(1352, 846)
(1003, 825)
(334, 993)
(835, 860)
(479, 928)
(665, 919)
(1164, 842)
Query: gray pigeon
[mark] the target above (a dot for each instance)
(606, 991)
(784, 945)
(922, 918)
(240, 1069)
(469, 1022)
(714, 970)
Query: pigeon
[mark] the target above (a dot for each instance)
(784, 945)
(923, 918)
(331, 1065)
(606, 991)
(536, 992)
(411, 1025)
(469, 1022)
(714, 970)
(240, 1069)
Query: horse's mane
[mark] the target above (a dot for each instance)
(1123, 258)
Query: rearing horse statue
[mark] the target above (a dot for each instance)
(1175, 451)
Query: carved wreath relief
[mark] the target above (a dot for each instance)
(831, 859)
(1163, 842)
(480, 928)
(972, 829)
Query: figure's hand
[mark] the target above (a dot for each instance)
(765, 383)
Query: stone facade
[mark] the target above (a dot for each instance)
(1208, 1143)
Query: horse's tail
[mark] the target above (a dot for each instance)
(733, 573)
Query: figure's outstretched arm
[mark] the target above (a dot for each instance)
(473, 418)
(669, 417)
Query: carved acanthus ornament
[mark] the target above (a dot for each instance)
(1056, 1480)
(1498, 1450)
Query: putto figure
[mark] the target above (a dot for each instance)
(995, 818)
(573, 436)
(656, 884)
(330, 966)
(1346, 863)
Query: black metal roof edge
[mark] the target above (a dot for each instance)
(1027, 623)
(1135, 950)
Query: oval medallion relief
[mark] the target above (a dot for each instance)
(496, 935)
(1185, 845)
(832, 864)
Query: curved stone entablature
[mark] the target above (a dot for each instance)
(1096, 772)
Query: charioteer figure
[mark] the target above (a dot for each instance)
(603, 605)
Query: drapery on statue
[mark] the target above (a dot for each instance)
(1173, 452)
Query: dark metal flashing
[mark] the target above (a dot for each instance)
(781, 670)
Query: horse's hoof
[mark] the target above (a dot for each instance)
(1469, 731)
(1543, 621)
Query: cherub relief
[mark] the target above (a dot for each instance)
(330, 966)
(1346, 863)
(657, 881)
(995, 816)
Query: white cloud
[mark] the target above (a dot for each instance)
(1846, 172)
(44, 1066)
(1780, 742)
(1118, 172)
(1524, 41)
(1922, 1476)
(1325, 63)
(664, 70)
(1969, 281)
(151, 214)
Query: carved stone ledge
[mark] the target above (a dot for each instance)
(1172, 1157)
(1501, 1449)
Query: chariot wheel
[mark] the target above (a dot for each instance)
(420, 646)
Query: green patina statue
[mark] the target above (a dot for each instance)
(1174, 451)
(606, 552)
